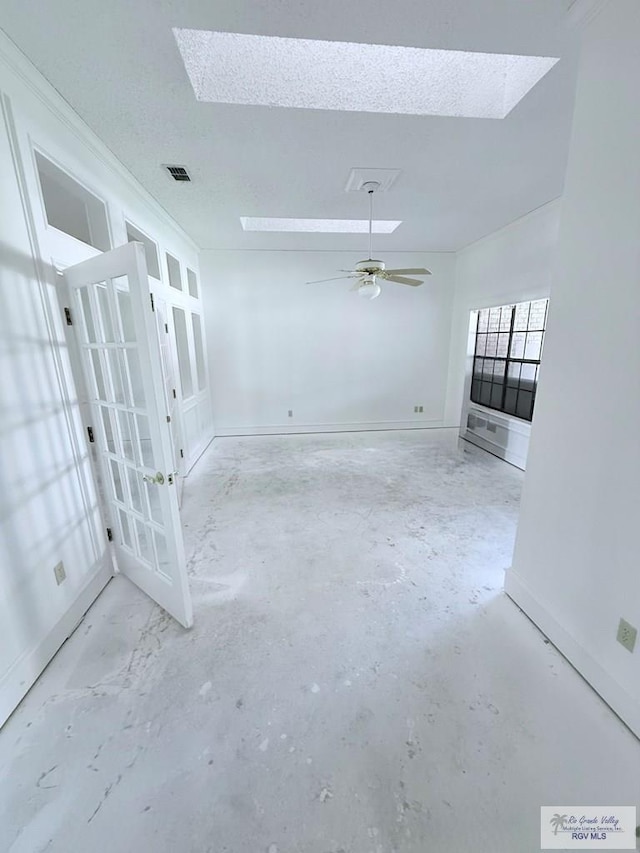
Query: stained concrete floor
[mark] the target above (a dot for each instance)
(356, 681)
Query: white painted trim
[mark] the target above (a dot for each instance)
(18, 64)
(580, 13)
(540, 613)
(18, 680)
(303, 429)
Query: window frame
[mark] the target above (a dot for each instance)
(502, 383)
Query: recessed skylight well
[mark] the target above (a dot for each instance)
(327, 226)
(235, 68)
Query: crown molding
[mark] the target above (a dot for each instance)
(23, 69)
(580, 13)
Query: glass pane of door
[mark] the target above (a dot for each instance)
(182, 346)
(199, 348)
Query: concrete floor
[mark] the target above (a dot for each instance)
(356, 681)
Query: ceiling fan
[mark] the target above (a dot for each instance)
(369, 273)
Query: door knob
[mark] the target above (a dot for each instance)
(157, 479)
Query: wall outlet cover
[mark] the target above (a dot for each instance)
(627, 635)
(59, 572)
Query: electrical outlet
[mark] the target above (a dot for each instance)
(59, 572)
(421, 409)
(290, 413)
(627, 635)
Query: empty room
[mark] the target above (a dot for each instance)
(319, 403)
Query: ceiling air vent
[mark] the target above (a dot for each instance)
(178, 173)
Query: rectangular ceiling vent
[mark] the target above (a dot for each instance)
(178, 173)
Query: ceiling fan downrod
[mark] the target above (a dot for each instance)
(370, 187)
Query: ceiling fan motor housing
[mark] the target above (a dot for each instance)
(370, 266)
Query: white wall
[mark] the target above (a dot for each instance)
(48, 506)
(513, 264)
(337, 360)
(576, 564)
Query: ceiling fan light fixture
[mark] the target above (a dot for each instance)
(369, 289)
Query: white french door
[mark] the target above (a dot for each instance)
(113, 317)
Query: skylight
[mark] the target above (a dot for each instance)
(328, 226)
(235, 68)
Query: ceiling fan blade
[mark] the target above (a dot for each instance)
(399, 279)
(415, 271)
(337, 278)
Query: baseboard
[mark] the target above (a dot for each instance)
(616, 697)
(301, 429)
(191, 461)
(17, 682)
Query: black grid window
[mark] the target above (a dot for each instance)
(507, 357)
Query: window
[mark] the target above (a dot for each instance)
(134, 235)
(71, 208)
(193, 283)
(507, 356)
(182, 346)
(199, 348)
(173, 267)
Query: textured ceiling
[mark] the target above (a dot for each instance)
(118, 65)
(234, 68)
